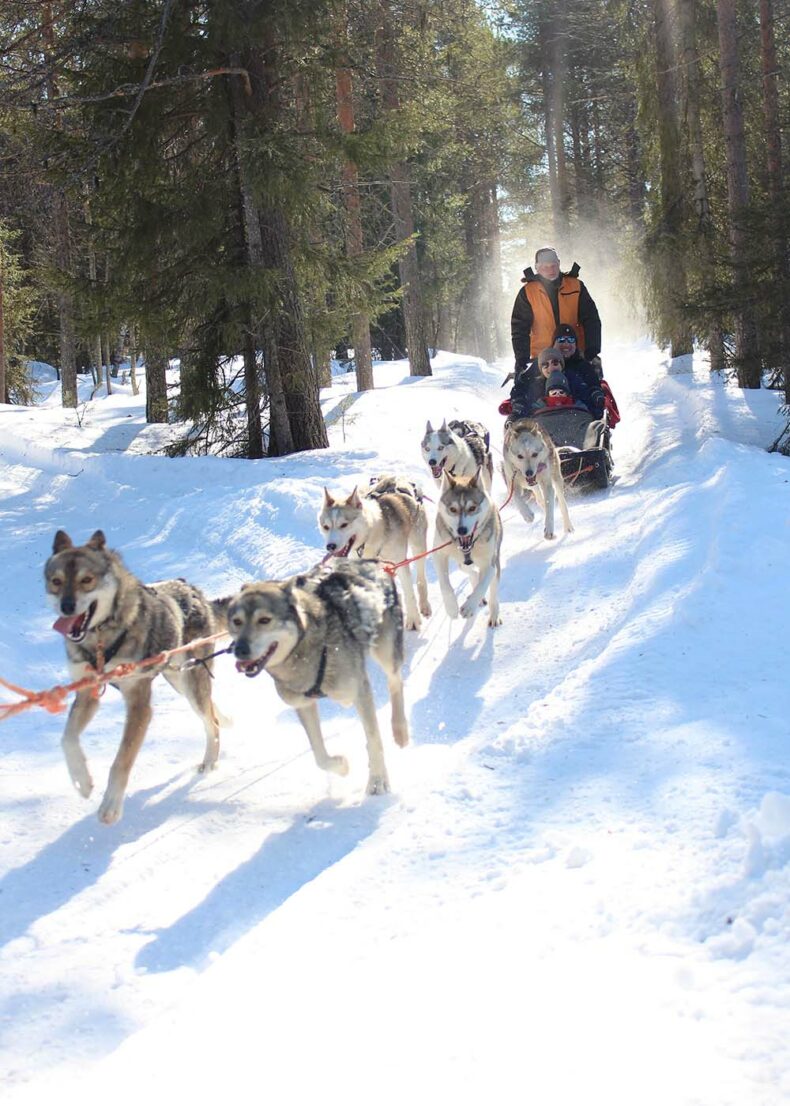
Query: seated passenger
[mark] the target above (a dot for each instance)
(529, 391)
(583, 379)
(558, 393)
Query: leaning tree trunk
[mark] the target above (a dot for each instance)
(773, 164)
(747, 358)
(360, 321)
(402, 213)
(671, 281)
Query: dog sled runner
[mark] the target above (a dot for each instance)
(583, 443)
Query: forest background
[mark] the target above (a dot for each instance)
(264, 184)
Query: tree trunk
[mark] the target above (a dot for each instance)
(687, 33)
(501, 336)
(252, 395)
(106, 346)
(3, 374)
(773, 164)
(557, 53)
(403, 216)
(280, 438)
(747, 358)
(360, 322)
(155, 383)
(546, 34)
(296, 421)
(672, 287)
(133, 363)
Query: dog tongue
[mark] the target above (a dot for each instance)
(64, 624)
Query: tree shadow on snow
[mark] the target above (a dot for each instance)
(242, 899)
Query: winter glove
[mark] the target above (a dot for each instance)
(596, 364)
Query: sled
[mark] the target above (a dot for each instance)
(583, 443)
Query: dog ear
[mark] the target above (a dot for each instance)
(447, 482)
(62, 541)
(428, 427)
(354, 500)
(97, 540)
(329, 500)
(474, 481)
(444, 426)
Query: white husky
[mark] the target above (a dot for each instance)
(531, 464)
(385, 523)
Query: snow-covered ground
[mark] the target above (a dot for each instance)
(578, 890)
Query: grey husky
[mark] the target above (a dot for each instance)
(459, 449)
(531, 465)
(107, 618)
(384, 523)
(313, 633)
(468, 519)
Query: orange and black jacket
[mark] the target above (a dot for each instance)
(541, 305)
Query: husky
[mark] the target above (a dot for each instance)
(468, 519)
(313, 633)
(531, 464)
(459, 449)
(384, 524)
(108, 617)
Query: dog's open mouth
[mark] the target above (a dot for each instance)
(436, 470)
(531, 480)
(254, 668)
(466, 541)
(75, 626)
(344, 552)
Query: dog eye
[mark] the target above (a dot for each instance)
(56, 582)
(520, 456)
(343, 525)
(534, 454)
(453, 510)
(236, 622)
(86, 581)
(327, 526)
(264, 620)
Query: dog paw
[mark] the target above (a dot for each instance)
(83, 784)
(412, 623)
(378, 785)
(467, 610)
(549, 536)
(401, 735)
(337, 765)
(110, 810)
(451, 608)
(425, 610)
(206, 766)
(494, 621)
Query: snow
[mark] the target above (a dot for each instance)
(579, 887)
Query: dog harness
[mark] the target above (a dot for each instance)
(102, 657)
(315, 691)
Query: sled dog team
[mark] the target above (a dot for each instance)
(313, 632)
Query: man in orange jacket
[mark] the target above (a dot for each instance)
(550, 297)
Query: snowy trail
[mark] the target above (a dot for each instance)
(585, 863)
